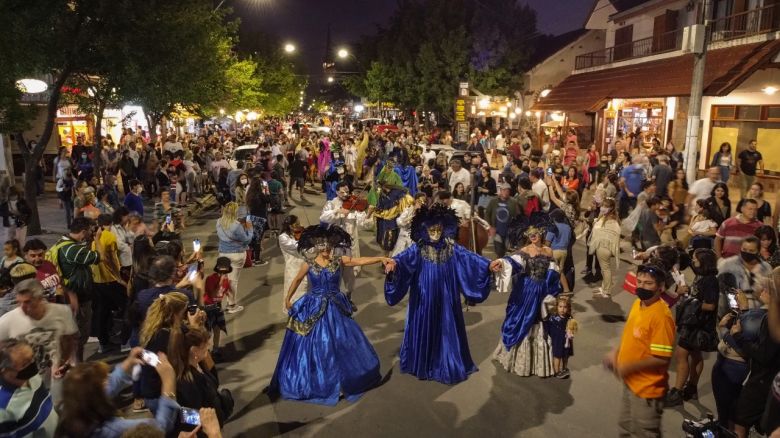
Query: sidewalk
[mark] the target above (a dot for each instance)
(53, 224)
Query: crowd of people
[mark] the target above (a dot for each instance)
(123, 275)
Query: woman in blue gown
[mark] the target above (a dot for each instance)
(532, 276)
(324, 354)
(434, 271)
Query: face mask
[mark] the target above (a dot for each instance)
(27, 372)
(644, 294)
(83, 157)
(748, 256)
(604, 210)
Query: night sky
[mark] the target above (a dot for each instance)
(305, 22)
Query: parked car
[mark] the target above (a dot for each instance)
(318, 129)
(242, 153)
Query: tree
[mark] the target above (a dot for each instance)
(241, 88)
(161, 53)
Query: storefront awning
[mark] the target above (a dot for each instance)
(726, 69)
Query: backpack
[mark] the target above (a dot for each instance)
(52, 255)
(532, 205)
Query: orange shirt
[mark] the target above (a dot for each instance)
(649, 331)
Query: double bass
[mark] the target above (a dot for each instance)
(473, 234)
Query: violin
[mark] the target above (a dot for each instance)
(355, 203)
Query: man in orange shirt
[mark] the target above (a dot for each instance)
(642, 360)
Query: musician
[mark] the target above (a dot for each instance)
(334, 213)
(499, 213)
(391, 202)
(475, 240)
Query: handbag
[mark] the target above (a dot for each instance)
(629, 283)
(248, 261)
(226, 399)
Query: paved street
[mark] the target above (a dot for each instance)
(491, 402)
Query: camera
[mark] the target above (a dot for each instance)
(705, 428)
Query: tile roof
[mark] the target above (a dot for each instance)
(726, 69)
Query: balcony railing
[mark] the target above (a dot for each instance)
(745, 24)
(665, 42)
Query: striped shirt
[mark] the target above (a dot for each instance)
(733, 231)
(27, 411)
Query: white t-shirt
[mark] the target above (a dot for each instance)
(172, 146)
(543, 192)
(44, 334)
(701, 189)
(462, 176)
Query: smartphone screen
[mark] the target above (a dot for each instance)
(196, 245)
(168, 219)
(733, 301)
(190, 416)
(192, 271)
(150, 358)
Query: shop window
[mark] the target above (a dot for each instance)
(768, 143)
(724, 112)
(720, 135)
(749, 113)
(773, 113)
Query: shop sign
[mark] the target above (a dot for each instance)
(463, 132)
(460, 110)
(69, 111)
(463, 89)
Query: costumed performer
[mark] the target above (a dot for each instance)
(434, 271)
(288, 243)
(404, 221)
(334, 213)
(325, 354)
(533, 278)
(391, 202)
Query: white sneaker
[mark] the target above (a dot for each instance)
(235, 309)
(92, 340)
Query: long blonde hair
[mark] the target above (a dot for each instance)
(163, 313)
(229, 215)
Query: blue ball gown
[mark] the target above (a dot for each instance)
(435, 346)
(325, 353)
(524, 348)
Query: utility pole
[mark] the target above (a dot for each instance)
(697, 92)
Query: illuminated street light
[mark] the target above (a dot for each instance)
(518, 110)
(289, 47)
(359, 108)
(528, 113)
(330, 79)
(769, 90)
(31, 86)
(221, 111)
(343, 53)
(544, 92)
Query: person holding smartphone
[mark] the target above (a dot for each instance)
(90, 388)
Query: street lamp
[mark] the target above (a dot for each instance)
(330, 79)
(289, 47)
(343, 53)
(31, 86)
(359, 108)
(221, 111)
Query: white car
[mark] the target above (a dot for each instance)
(318, 129)
(242, 153)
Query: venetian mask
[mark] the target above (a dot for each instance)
(435, 232)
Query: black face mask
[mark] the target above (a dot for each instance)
(748, 257)
(698, 270)
(27, 372)
(644, 294)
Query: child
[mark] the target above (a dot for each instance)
(561, 334)
(217, 287)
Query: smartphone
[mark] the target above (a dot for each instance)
(190, 417)
(168, 220)
(150, 358)
(192, 272)
(196, 245)
(732, 300)
(549, 171)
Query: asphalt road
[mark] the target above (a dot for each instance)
(491, 402)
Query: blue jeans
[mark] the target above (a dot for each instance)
(725, 172)
(727, 378)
